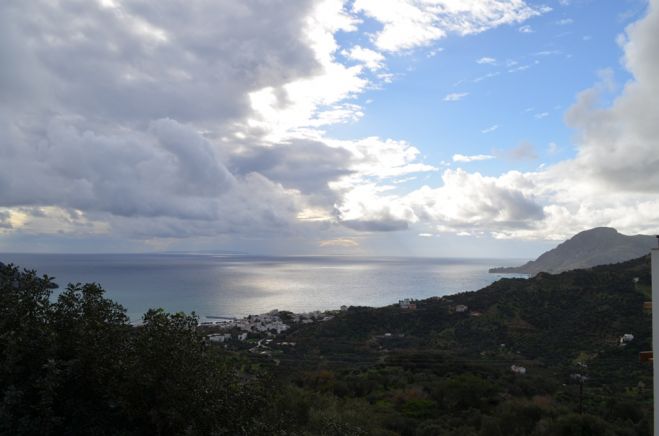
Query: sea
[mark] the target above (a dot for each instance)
(215, 286)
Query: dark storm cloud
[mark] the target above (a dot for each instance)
(189, 60)
(305, 165)
(102, 109)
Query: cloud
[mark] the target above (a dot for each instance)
(304, 104)
(5, 220)
(380, 223)
(377, 158)
(432, 53)
(553, 148)
(565, 22)
(486, 60)
(617, 145)
(126, 117)
(611, 182)
(541, 115)
(477, 157)
(142, 61)
(455, 96)
(408, 24)
(341, 242)
(372, 59)
(474, 202)
(547, 53)
(526, 29)
(305, 165)
(486, 76)
(367, 207)
(523, 151)
(519, 68)
(490, 129)
(204, 119)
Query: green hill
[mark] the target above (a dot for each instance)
(434, 370)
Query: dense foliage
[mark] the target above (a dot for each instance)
(70, 363)
(436, 371)
(76, 366)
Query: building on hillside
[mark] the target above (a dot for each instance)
(461, 308)
(579, 378)
(218, 338)
(407, 304)
(627, 337)
(518, 369)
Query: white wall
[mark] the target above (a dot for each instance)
(655, 334)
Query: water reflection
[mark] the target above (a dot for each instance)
(240, 285)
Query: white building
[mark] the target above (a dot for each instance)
(627, 337)
(518, 369)
(218, 338)
(460, 308)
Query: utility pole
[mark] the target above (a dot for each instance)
(580, 378)
(581, 397)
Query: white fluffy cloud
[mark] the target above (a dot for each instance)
(618, 144)
(371, 58)
(455, 96)
(317, 99)
(464, 202)
(472, 158)
(486, 60)
(412, 23)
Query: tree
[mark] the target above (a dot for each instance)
(76, 366)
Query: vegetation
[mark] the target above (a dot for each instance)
(74, 365)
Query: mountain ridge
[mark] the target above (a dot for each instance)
(586, 249)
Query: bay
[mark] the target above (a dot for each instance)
(238, 285)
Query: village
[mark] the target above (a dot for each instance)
(261, 327)
(258, 333)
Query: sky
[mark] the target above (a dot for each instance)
(449, 128)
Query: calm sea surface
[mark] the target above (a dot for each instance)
(219, 285)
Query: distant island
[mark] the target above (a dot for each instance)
(598, 246)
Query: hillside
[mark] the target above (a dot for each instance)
(553, 317)
(598, 246)
(437, 371)
(538, 356)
